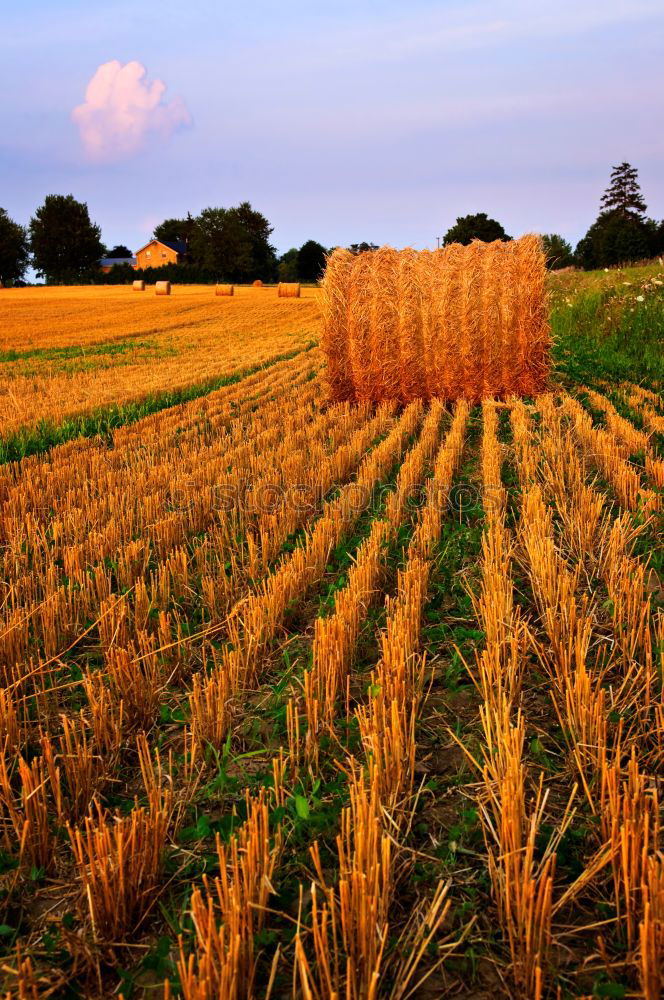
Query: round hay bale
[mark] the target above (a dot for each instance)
(163, 288)
(138, 286)
(224, 290)
(288, 290)
(257, 283)
(465, 321)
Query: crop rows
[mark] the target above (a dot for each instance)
(235, 636)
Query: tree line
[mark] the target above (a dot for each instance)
(64, 245)
(621, 234)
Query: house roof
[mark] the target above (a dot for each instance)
(178, 245)
(112, 261)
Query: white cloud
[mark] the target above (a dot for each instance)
(122, 108)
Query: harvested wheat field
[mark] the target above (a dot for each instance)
(68, 353)
(322, 700)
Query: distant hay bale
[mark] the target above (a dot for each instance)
(224, 290)
(138, 286)
(258, 283)
(163, 288)
(288, 290)
(463, 322)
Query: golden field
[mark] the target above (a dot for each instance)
(322, 700)
(66, 351)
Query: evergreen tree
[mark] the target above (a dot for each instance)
(623, 194)
(621, 234)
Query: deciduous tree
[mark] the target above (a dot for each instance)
(558, 251)
(310, 261)
(66, 245)
(475, 227)
(362, 247)
(287, 267)
(14, 251)
(119, 250)
(234, 243)
(176, 230)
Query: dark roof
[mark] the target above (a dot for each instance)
(112, 261)
(178, 245)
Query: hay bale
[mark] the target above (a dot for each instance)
(463, 322)
(288, 290)
(258, 283)
(163, 288)
(138, 286)
(224, 290)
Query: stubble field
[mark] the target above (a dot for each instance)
(311, 700)
(69, 356)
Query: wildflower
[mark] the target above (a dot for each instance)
(639, 298)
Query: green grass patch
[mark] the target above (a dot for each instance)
(609, 326)
(76, 351)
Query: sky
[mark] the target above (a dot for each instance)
(359, 120)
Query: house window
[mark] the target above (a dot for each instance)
(148, 253)
(163, 254)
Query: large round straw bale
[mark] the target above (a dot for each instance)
(163, 288)
(138, 286)
(465, 321)
(288, 290)
(224, 290)
(257, 283)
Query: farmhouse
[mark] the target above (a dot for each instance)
(108, 263)
(157, 253)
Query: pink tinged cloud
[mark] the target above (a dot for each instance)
(123, 110)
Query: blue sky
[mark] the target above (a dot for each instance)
(363, 120)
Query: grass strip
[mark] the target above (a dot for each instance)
(77, 351)
(102, 421)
